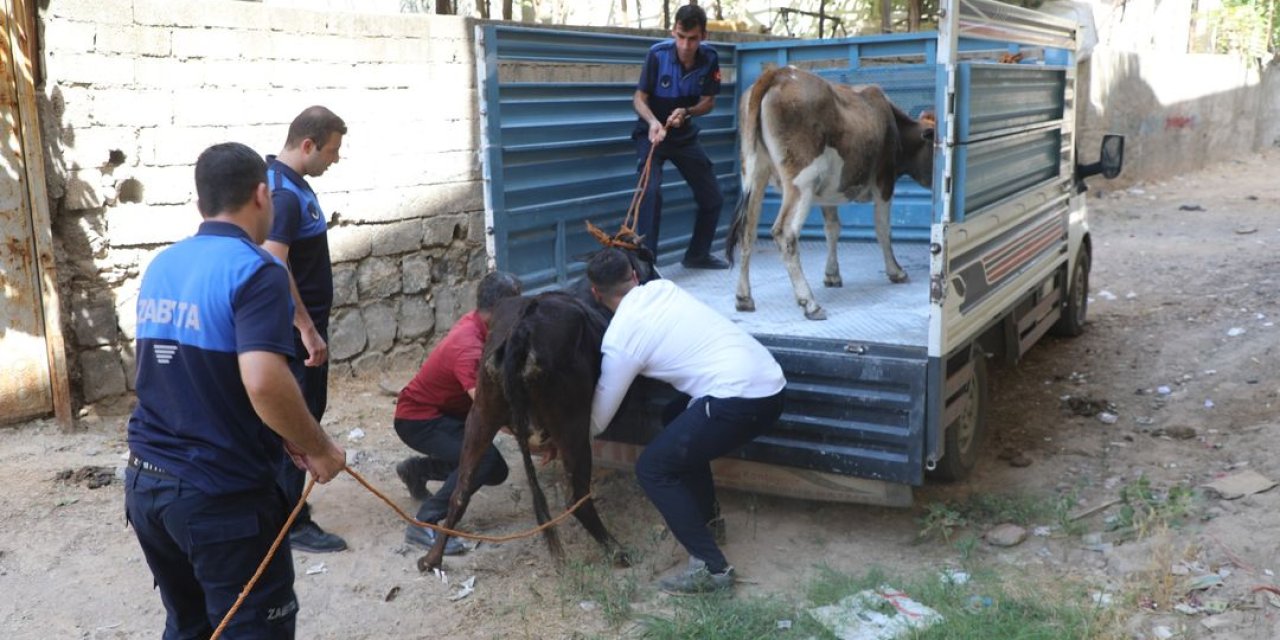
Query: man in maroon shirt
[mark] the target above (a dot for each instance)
(432, 412)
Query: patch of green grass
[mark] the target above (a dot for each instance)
(612, 591)
(725, 617)
(942, 520)
(965, 546)
(989, 606)
(1145, 508)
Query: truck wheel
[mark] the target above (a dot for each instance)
(963, 438)
(1071, 324)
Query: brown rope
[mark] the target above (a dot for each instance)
(311, 483)
(462, 534)
(262, 566)
(629, 221)
(633, 212)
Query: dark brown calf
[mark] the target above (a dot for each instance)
(537, 375)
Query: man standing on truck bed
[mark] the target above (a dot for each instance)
(680, 80)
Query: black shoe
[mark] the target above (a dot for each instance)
(426, 538)
(308, 536)
(410, 472)
(704, 262)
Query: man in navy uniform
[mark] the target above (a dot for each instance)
(215, 399)
(299, 238)
(680, 80)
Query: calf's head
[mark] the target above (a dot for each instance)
(916, 137)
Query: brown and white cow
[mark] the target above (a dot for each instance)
(825, 144)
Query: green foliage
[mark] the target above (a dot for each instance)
(610, 590)
(989, 606)
(725, 617)
(942, 520)
(1145, 508)
(1245, 27)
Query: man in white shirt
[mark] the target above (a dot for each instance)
(735, 394)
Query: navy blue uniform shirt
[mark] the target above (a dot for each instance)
(670, 86)
(204, 301)
(301, 224)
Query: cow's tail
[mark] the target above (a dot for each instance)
(515, 358)
(753, 152)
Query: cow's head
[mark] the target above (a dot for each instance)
(642, 259)
(916, 137)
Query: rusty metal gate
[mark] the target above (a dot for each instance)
(34, 379)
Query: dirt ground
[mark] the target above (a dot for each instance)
(1184, 295)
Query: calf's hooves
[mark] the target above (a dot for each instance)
(426, 564)
(818, 313)
(833, 282)
(898, 278)
(745, 304)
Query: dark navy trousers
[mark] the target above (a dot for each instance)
(691, 160)
(314, 382)
(203, 549)
(440, 439)
(675, 467)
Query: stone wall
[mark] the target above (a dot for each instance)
(135, 89)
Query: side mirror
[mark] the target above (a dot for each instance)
(1112, 155)
(1108, 166)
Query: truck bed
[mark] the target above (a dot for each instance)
(868, 308)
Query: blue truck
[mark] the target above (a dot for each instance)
(892, 388)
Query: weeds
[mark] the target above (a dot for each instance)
(941, 520)
(724, 617)
(1145, 509)
(611, 591)
(989, 606)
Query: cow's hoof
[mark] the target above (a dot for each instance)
(898, 278)
(745, 304)
(426, 564)
(818, 313)
(833, 281)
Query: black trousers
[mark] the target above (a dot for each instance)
(202, 549)
(440, 439)
(691, 160)
(675, 467)
(314, 382)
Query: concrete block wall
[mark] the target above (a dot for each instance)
(135, 89)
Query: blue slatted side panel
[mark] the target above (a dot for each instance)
(558, 152)
(1009, 121)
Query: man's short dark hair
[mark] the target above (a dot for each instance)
(227, 175)
(608, 270)
(691, 17)
(494, 287)
(316, 124)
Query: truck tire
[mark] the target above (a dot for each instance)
(962, 441)
(1076, 308)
